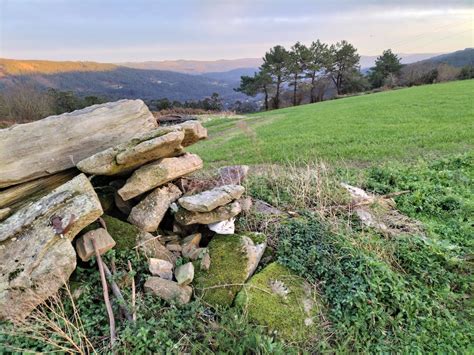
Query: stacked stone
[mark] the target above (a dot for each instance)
(139, 188)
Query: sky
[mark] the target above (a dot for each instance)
(141, 30)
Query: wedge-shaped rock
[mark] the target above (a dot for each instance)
(192, 240)
(233, 259)
(190, 246)
(281, 300)
(184, 274)
(159, 173)
(209, 200)
(234, 174)
(36, 253)
(219, 214)
(168, 290)
(57, 143)
(85, 248)
(193, 132)
(147, 215)
(150, 246)
(138, 151)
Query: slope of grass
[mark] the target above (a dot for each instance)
(426, 121)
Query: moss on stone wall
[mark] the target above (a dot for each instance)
(219, 285)
(124, 234)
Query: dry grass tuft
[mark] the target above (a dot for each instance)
(53, 318)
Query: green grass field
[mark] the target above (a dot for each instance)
(427, 121)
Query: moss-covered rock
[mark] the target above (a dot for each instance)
(229, 267)
(282, 301)
(127, 236)
(124, 234)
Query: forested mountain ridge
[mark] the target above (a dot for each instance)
(112, 81)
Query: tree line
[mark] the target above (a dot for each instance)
(211, 103)
(304, 65)
(25, 102)
(310, 71)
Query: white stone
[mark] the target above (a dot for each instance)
(223, 227)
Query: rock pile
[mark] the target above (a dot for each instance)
(108, 176)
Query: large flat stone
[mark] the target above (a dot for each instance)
(36, 253)
(159, 173)
(280, 300)
(56, 143)
(209, 200)
(219, 214)
(138, 151)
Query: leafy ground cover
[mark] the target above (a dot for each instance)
(427, 121)
(406, 294)
(410, 293)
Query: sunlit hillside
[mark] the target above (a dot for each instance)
(17, 67)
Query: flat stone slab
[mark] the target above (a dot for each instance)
(146, 147)
(168, 290)
(209, 200)
(148, 214)
(56, 143)
(139, 150)
(36, 254)
(159, 173)
(193, 132)
(222, 213)
(4, 213)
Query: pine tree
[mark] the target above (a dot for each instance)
(386, 65)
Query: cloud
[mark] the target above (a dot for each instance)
(121, 30)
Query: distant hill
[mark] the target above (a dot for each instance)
(368, 61)
(112, 81)
(232, 65)
(197, 66)
(457, 59)
(22, 67)
(232, 76)
(148, 80)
